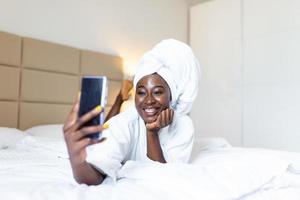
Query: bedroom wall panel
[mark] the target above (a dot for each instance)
(215, 36)
(49, 56)
(10, 49)
(39, 80)
(40, 86)
(271, 74)
(8, 114)
(269, 70)
(32, 114)
(93, 63)
(114, 88)
(9, 83)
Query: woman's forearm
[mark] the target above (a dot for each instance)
(85, 173)
(116, 107)
(154, 151)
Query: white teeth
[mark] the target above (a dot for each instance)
(150, 110)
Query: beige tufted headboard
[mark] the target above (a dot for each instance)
(40, 80)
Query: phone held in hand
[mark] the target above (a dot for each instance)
(93, 94)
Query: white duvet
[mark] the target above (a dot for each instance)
(38, 168)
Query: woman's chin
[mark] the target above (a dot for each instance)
(149, 119)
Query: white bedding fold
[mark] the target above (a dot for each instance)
(34, 171)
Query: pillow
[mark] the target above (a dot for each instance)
(47, 131)
(207, 144)
(10, 137)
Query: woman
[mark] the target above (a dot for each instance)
(156, 129)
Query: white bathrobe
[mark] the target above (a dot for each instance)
(175, 62)
(126, 140)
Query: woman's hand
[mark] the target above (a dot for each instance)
(154, 150)
(125, 89)
(75, 134)
(164, 119)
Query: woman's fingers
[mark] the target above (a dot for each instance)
(76, 104)
(171, 115)
(82, 144)
(167, 117)
(87, 117)
(71, 120)
(75, 147)
(151, 126)
(155, 124)
(97, 141)
(73, 115)
(164, 119)
(159, 121)
(86, 131)
(88, 141)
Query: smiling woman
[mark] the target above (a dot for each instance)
(152, 97)
(152, 100)
(156, 129)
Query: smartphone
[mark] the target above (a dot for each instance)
(93, 93)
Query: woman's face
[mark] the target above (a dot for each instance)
(152, 96)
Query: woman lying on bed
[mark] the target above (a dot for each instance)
(156, 129)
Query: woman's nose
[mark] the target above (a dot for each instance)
(150, 99)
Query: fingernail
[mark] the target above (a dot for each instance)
(98, 108)
(105, 125)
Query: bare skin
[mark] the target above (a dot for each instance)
(76, 140)
(152, 101)
(121, 97)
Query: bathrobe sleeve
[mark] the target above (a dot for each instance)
(108, 155)
(178, 144)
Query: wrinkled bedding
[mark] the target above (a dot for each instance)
(38, 168)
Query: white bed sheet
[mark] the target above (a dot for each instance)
(38, 168)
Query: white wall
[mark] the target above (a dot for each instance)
(269, 60)
(272, 74)
(123, 27)
(215, 36)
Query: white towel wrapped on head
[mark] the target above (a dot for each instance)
(175, 62)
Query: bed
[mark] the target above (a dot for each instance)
(39, 80)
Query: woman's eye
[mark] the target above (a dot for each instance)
(141, 93)
(159, 92)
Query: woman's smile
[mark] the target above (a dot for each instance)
(152, 97)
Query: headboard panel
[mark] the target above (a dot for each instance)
(48, 56)
(9, 111)
(39, 86)
(39, 80)
(9, 86)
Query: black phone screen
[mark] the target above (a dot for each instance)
(93, 94)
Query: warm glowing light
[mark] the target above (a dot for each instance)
(129, 68)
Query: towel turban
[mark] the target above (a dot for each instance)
(175, 62)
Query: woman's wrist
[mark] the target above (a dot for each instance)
(154, 151)
(75, 163)
(152, 133)
(119, 99)
(84, 173)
